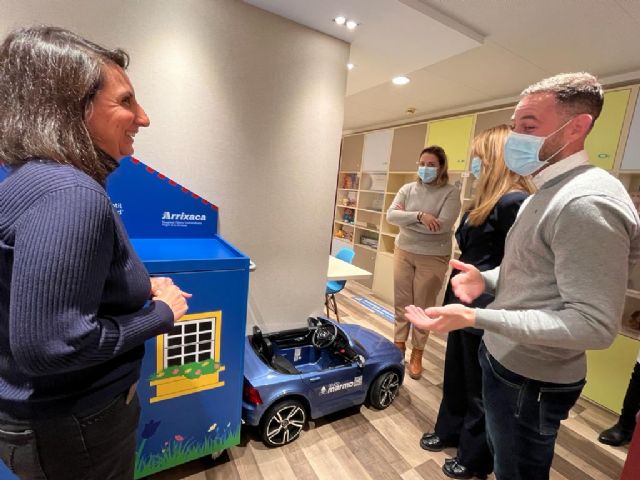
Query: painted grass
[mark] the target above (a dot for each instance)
(178, 453)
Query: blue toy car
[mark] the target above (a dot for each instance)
(293, 375)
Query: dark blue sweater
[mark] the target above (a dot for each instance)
(73, 295)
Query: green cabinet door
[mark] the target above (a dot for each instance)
(454, 135)
(608, 372)
(602, 142)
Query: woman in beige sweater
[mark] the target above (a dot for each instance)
(425, 211)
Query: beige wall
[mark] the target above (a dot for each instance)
(246, 110)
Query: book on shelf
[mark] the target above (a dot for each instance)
(350, 181)
(369, 242)
(367, 225)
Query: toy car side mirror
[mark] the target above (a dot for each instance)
(360, 361)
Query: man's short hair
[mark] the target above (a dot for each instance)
(576, 93)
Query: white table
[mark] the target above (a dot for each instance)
(341, 270)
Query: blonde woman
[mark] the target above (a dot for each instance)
(480, 236)
(425, 211)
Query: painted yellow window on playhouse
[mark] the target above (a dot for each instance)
(188, 357)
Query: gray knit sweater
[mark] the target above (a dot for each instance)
(442, 202)
(561, 287)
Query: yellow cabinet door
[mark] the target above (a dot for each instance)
(602, 142)
(608, 372)
(454, 135)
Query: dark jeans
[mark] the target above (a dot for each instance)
(461, 415)
(631, 404)
(97, 446)
(523, 418)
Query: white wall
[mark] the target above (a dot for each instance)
(246, 110)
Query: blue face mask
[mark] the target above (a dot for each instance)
(476, 167)
(522, 152)
(427, 174)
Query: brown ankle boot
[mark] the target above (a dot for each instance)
(415, 364)
(401, 346)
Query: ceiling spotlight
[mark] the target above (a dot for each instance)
(350, 66)
(351, 24)
(401, 80)
(340, 20)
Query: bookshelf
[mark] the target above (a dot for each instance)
(373, 167)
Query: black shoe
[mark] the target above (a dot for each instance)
(452, 468)
(432, 442)
(615, 436)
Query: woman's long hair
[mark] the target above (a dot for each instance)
(48, 79)
(496, 179)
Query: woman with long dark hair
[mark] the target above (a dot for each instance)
(76, 303)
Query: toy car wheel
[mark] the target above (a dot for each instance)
(384, 390)
(283, 423)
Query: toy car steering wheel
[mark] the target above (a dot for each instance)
(324, 335)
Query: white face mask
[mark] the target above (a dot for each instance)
(427, 174)
(476, 167)
(522, 151)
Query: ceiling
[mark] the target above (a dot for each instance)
(464, 54)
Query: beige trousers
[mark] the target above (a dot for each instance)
(417, 281)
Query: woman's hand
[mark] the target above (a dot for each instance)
(468, 284)
(170, 294)
(431, 222)
(158, 283)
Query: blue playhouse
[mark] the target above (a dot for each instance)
(191, 382)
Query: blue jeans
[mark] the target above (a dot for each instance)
(523, 418)
(97, 446)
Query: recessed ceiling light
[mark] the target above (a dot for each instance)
(351, 24)
(350, 66)
(401, 80)
(340, 20)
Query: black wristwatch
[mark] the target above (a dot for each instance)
(420, 217)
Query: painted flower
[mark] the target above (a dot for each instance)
(178, 438)
(198, 372)
(175, 371)
(150, 429)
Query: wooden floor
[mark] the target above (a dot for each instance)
(369, 444)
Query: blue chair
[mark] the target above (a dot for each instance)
(334, 286)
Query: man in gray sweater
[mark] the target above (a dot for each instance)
(561, 287)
